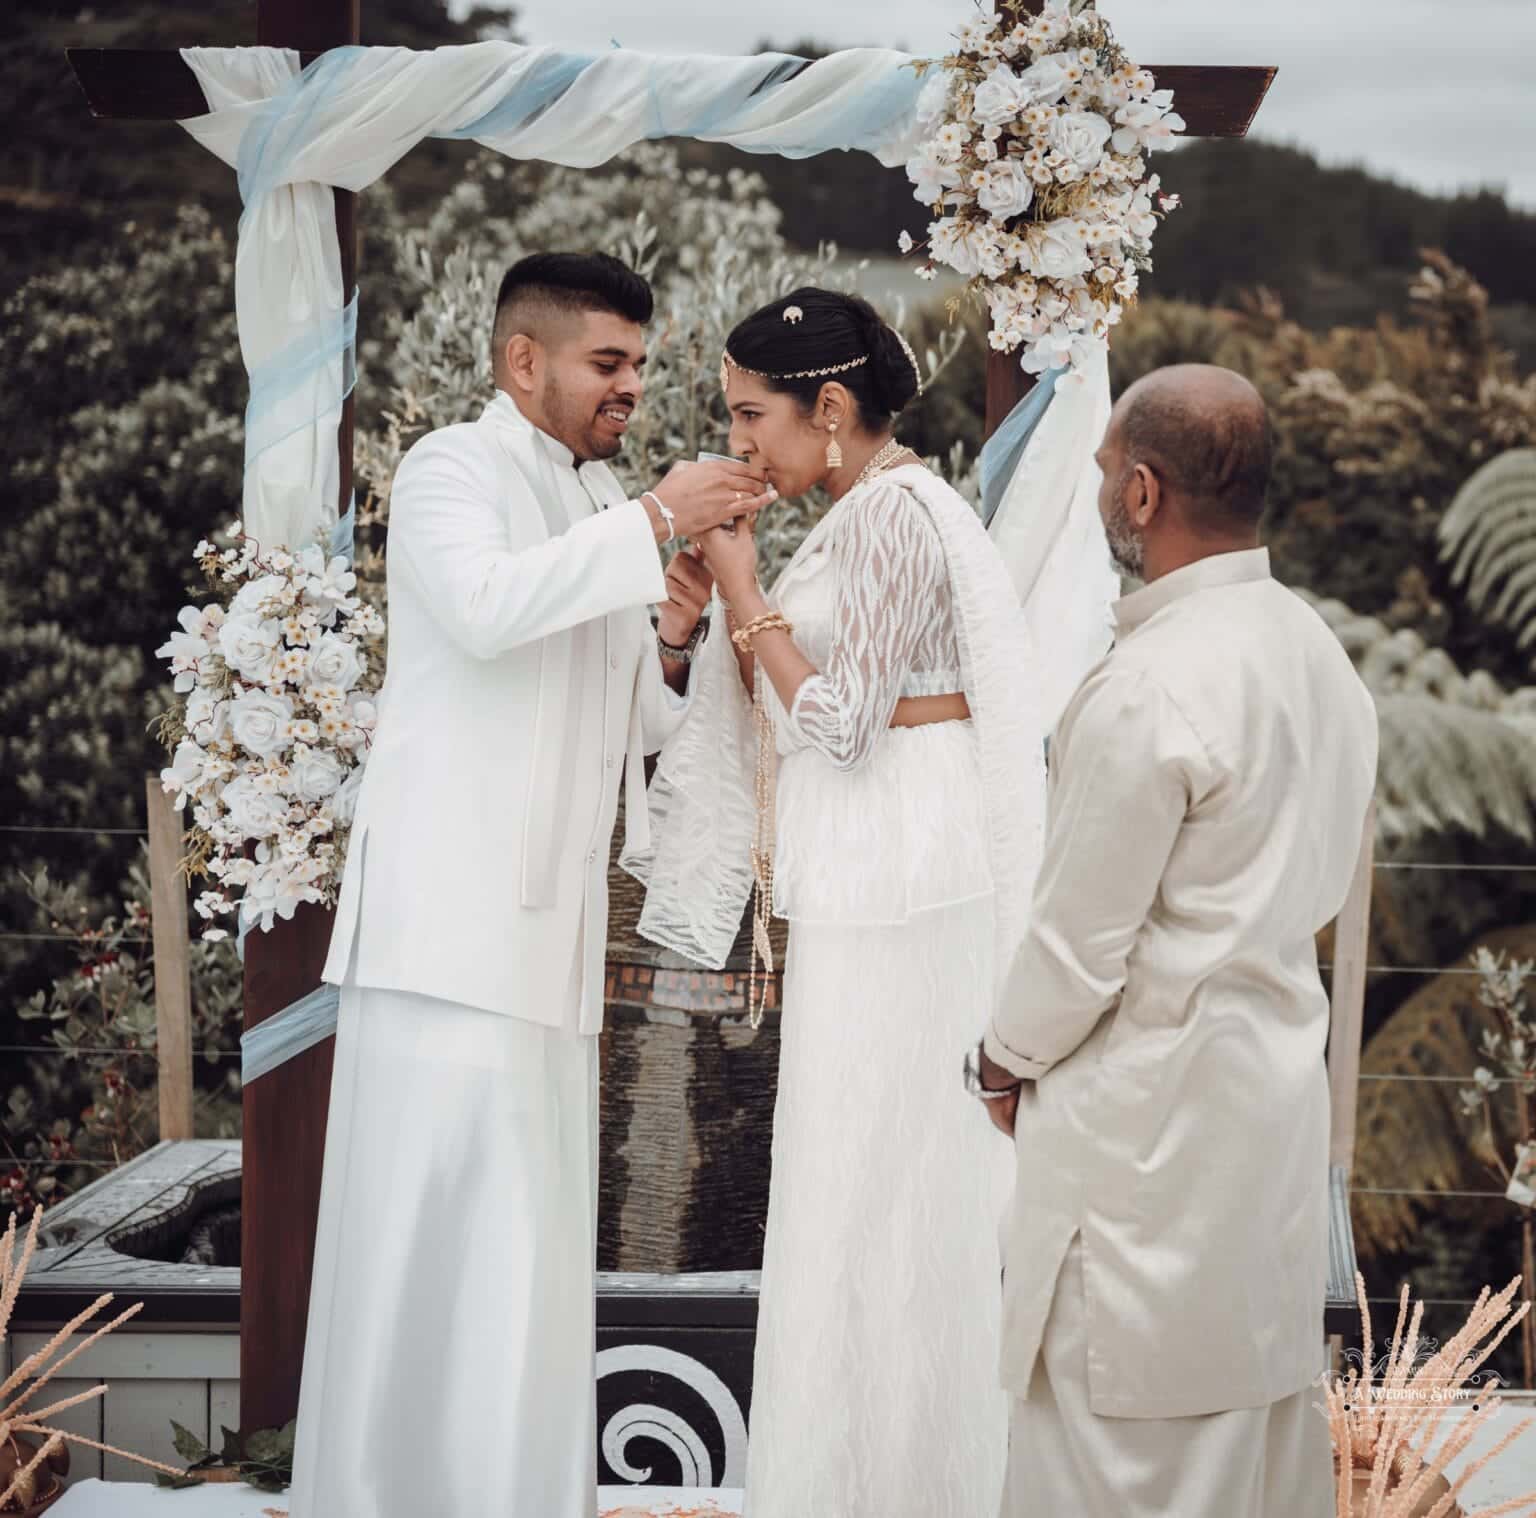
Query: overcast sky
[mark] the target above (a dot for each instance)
(1437, 93)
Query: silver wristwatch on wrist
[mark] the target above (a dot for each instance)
(682, 653)
(973, 1079)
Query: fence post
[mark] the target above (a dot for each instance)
(173, 976)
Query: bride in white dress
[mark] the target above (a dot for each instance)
(900, 789)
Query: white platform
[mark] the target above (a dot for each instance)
(1511, 1475)
(102, 1499)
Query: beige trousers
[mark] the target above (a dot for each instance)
(1065, 1461)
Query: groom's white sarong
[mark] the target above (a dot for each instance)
(449, 1362)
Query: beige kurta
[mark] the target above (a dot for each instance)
(1209, 786)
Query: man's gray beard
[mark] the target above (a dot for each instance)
(1126, 550)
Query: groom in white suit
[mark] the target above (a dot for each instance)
(1158, 1049)
(449, 1364)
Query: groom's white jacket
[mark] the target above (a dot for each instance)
(479, 848)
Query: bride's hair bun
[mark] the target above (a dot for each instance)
(789, 340)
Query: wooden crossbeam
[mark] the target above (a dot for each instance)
(124, 84)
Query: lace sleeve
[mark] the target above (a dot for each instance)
(889, 568)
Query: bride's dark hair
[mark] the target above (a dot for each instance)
(831, 330)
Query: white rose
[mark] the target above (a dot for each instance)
(257, 598)
(1080, 137)
(1048, 80)
(1000, 97)
(961, 245)
(334, 661)
(251, 812)
(1006, 191)
(259, 722)
(250, 646)
(316, 775)
(1057, 251)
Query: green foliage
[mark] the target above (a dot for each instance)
(264, 1460)
(711, 246)
(1376, 429)
(90, 1096)
(1489, 537)
(1457, 751)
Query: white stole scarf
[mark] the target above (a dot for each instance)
(698, 870)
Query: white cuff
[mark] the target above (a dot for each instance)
(1010, 1059)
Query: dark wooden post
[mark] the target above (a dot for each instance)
(283, 1134)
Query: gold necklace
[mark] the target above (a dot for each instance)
(884, 459)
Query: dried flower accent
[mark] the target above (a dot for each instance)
(40, 1368)
(1381, 1427)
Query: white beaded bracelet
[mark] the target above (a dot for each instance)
(666, 514)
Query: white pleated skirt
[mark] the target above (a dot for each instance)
(1251, 1462)
(875, 1390)
(449, 1366)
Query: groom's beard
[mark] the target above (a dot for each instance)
(1126, 550)
(578, 425)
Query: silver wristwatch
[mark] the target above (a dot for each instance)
(683, 653)
(973, 1079)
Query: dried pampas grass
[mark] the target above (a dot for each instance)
(1381, 1427)
(40, 1368)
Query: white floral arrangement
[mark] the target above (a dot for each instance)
(1036, 172)
(271, 737)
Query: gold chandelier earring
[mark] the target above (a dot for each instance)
(834, 449)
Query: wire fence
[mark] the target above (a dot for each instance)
(1427, 866)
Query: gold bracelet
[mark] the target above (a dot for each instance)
(769, 622)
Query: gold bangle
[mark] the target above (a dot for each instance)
(770, 622)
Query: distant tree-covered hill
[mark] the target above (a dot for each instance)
(1337, 245)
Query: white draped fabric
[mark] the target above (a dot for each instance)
(698, 870)
(1049, 532)
(356, 111)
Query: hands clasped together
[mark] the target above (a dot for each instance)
(714, 505)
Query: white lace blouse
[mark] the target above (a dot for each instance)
(872, 610)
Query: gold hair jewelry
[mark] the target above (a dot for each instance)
(834, 448)
(768, 622)
(906, 348)
(725, 358)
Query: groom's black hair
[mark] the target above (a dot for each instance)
(541, 288)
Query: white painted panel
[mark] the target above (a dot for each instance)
(223, 1409)
(84, 1420)
(149, 1356)
(137, 1417)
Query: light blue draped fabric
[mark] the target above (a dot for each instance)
(1000, 457)
(864, 121)
(299, 1026)
(268, 420)
(284, 121)
(555, 74)
(343, 532)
